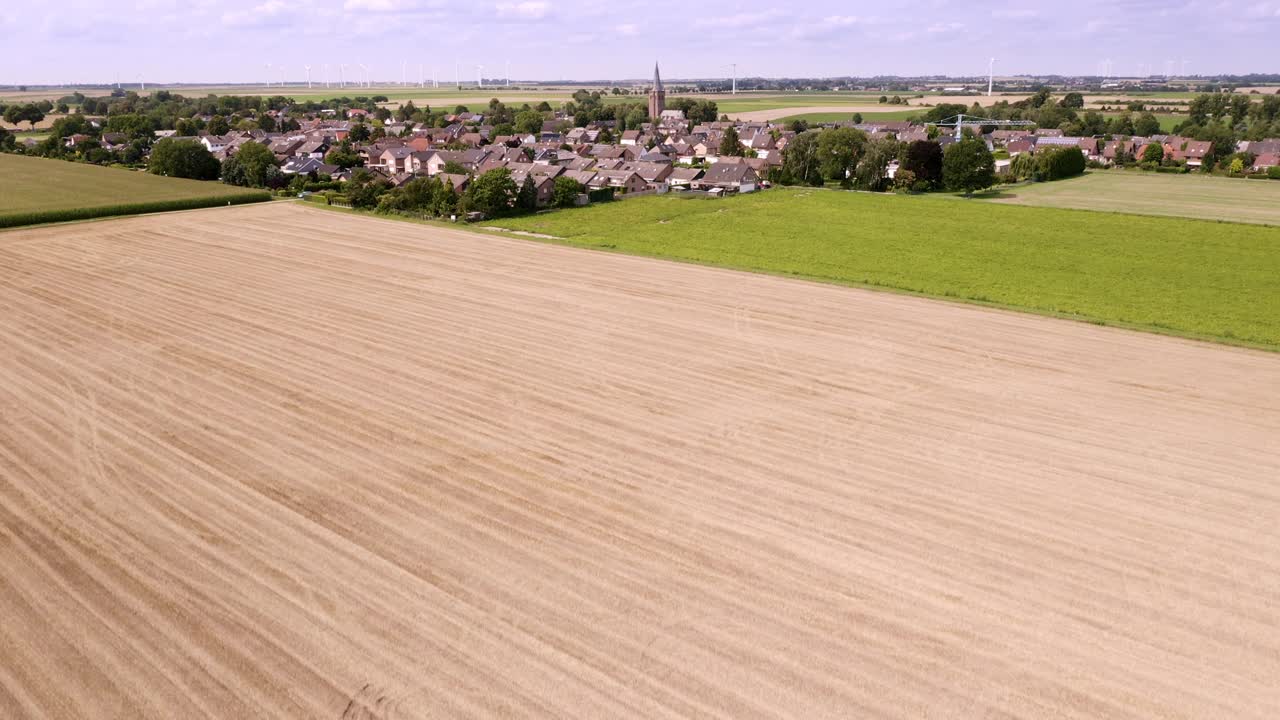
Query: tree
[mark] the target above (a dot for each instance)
(1072, 100)
(7, 141)
(184, 159)
(968, 166)
(1153, 154)
(23, 113)
(838, 151)
(344, 157)
(1236, 167)
(249, 166)
(359, 132)
(528, 122)
(453, 167)
(492, 193)
(800, 161)
(874, 163)
(923, 158)
(1146, 125)
(566, 191)
(218, 125)
(730, 144)
(1059, 163)
(527, 197)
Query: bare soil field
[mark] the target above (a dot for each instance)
(275, 462)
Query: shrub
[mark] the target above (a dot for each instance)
(1274, 172)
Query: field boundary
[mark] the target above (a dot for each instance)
(42, 217)
(827, 280)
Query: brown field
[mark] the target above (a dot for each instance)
(276, 462)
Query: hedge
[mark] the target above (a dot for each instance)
(604, 194)
(50, 216)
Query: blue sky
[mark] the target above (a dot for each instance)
(232, 40)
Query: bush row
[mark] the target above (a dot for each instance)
(49, 216)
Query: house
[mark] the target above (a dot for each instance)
(683, 177)
(395, 160)
(313, 149)
(730, 177)
(1117, 148)
(543, 185)
(631, 137)
(654, 174)
(307, 165)
(1194, 152)
(460, 182)
(626, 180)
(1266, 161)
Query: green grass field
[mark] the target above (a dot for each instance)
(39, 190)
(1147, 193)
(1185, 277)
(867, 116)
(1168, 121)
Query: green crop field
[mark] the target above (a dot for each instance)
(867, 116)
(1148, 193)
(38, 190)
(1186, 277)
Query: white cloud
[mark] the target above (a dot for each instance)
(840, 20)
(527, 10)
(627, 29)
(744, 20)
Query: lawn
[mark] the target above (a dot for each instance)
(1147, 193)
(38, 190)
(1186, 277)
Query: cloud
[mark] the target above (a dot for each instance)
(840, 20)
(526, 10)
(627, 29)
(744, 20)
(262, 14)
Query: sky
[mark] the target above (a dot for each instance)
(233, 40)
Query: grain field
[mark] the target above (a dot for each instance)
(274, 462)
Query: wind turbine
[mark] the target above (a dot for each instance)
(342, 81)
(326, 75)
(991, 76)
(403, 69)
(364, 69)
(142, 82)
(479, 76)
(308, 67)
(508, 73)
(268, 74)
(281, 76)
(457, 78)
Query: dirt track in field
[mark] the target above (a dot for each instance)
(276, 462)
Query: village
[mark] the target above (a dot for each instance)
(654, 150)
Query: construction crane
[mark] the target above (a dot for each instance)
(962, 121)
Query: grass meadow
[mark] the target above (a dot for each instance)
(1148, 193)
(36, 190)
(1178, 276)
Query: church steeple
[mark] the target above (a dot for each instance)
(657, 96)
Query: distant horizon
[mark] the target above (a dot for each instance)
(498, 83)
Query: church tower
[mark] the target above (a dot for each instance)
(657, 96)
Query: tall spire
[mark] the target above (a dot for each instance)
(657, 81)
